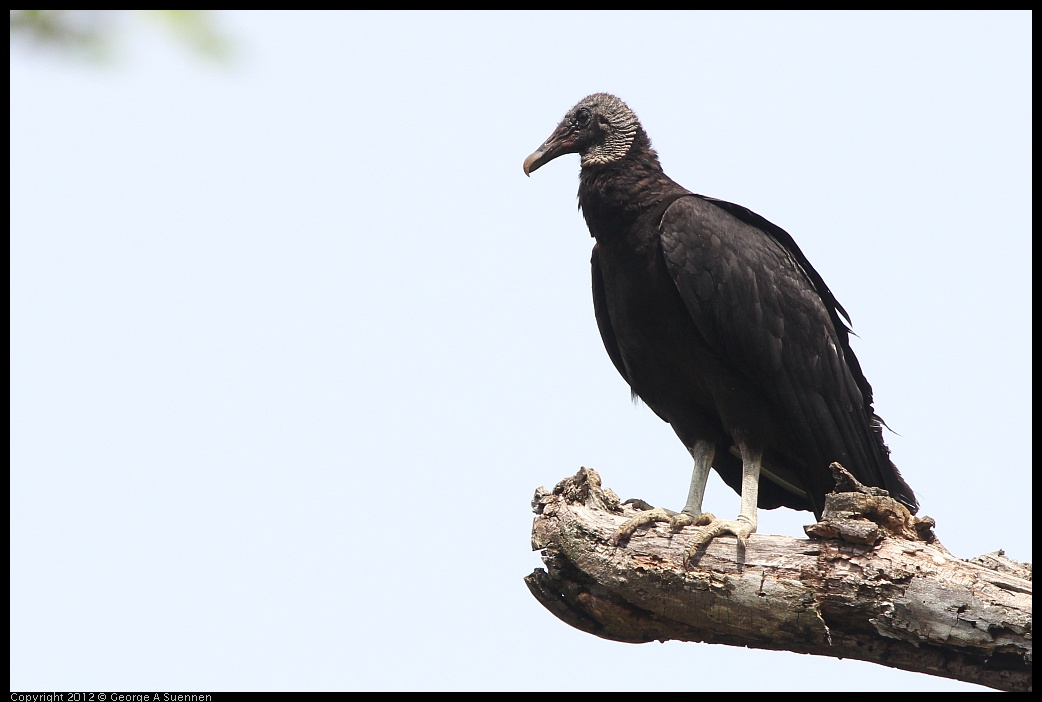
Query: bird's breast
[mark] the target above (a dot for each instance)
(656, 337)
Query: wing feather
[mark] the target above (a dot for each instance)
(769, 316)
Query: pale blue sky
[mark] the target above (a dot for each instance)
(294, 340)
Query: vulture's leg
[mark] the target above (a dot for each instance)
(745, 524)
(702, 452)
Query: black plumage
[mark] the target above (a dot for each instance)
(720, 324)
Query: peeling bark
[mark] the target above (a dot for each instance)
(871, 583)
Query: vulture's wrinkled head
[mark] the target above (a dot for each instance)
(600, 129)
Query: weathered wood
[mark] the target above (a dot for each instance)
(871, 583)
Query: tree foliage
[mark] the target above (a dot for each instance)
(95, 34)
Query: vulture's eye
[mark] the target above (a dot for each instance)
(582, 117)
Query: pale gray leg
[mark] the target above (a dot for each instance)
(745, 524)
(702, 452)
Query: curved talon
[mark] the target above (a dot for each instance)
(677, 521)
(739, 528)
(628, 527)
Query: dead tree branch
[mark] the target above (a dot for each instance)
(871, 583)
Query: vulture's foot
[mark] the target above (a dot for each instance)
(740, 528)
(677, 521)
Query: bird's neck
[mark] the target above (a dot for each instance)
(614, 195)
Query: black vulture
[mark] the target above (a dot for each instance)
(722, 327)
